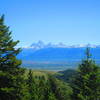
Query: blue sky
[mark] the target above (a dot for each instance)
(67, 21)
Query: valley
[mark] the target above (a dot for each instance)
(56, 56)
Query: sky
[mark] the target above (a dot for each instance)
(68, 21)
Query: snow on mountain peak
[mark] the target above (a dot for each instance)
(40, 44)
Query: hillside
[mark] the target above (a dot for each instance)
(47, 86)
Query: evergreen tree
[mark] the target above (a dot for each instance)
(30, 82)
(41, 88)
(51, 96)
(86, 85)
(48, 93)
(10, 73)
(61, 90)
(32, 87)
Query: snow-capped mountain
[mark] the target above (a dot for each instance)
(50, 51)
(56, 54)
(40, 44)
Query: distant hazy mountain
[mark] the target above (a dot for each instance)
(40, 44)
(56, 56)
(57, 52)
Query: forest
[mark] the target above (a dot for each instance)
(17, 83)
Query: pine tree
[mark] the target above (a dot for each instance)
(41, 88)
(86, 85)
(32, 87)
(10, 73)
(60, 89)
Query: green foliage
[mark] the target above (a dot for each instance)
(67, 75)
(86, 85)
(43, 85)
(10, 72)
(61, 89)
(46, 87)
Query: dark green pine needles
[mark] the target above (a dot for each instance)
(86, 85)
(10, 72)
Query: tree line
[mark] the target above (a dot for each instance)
(15, 84)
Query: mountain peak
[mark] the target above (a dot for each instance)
(40, 44)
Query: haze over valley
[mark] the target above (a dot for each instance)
(56, 56)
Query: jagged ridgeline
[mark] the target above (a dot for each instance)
(56, 57)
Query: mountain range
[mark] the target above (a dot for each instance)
(57, 54)
(40, 44)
